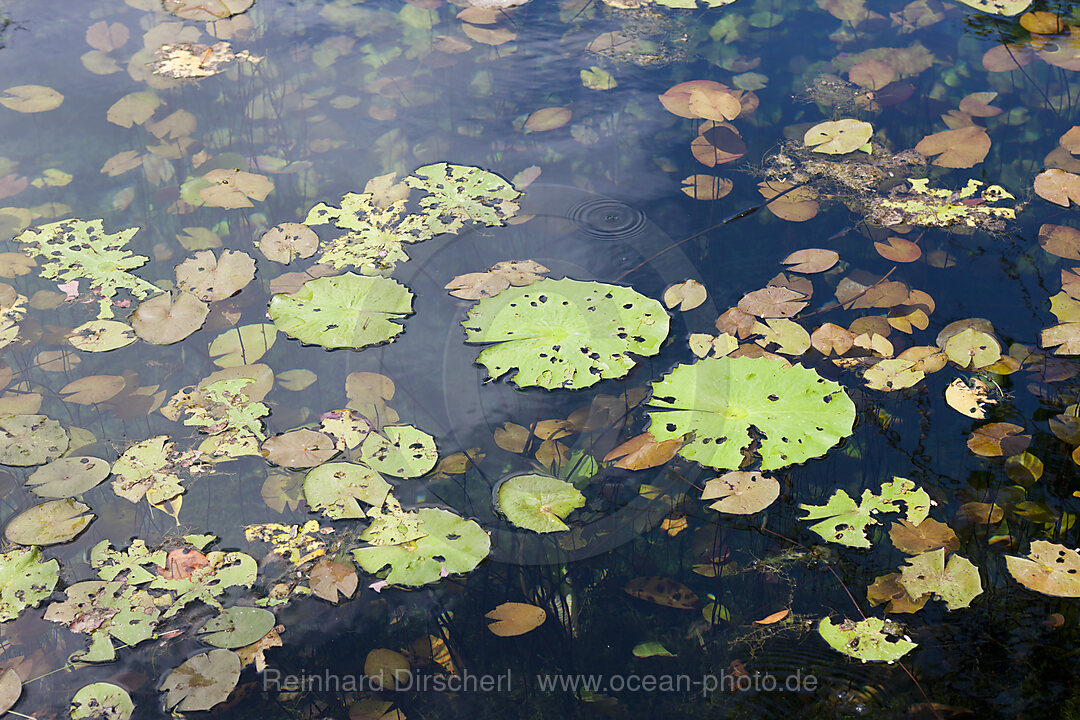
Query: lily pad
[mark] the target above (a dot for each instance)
(202, 682)
(870, 640)
(206, 583)
(211, 278)
(101, 700)
(450, 544)
(49, 523)
(287, 241)
(25, 580)
(348, 310)
(165, 319)
(30, 440)
(31, 98)
(538, 502)
(460, 193)
(838, 137)
(400, 450)
(237, 626)
(717, 400)
(301, 448)
(845, 522)
(68, 477)
(565, 333)
(10, 689)
(337, 489)
(106, 610)
(101, 336)
(1049, 568)
(957, 583)
(741, 493)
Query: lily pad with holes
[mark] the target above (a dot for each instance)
(957, 583)
(565, 333)
(30, 440)
(202, 682)
(1049, 568)
(337, 489)
(101, 336)
(843, 521)
(49, 523)
(400, 450)
(237, 626)
(68, 477)
(450, 544)
(538, 502)
(798, 413)
(101, 700)
(347, 310)
(25, 580)
(869, 640)
(462, 193)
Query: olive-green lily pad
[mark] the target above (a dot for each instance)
(209, 582)
(838, 137)
(10, 689)
(538, 502)
(30, 440)
(400, 450)
(565, 333)
(1049, 568)
(101, 336)
(459, 193)
(101, 700)
(347, 310)
(202, 682)
(49, 523)
(138, 564)
(104, 610)
(716, 401)
(25, 580)
(237, 626)
(651, 649)
(957, 583)
(843, 521)
(870, 640)
(68, 477)
(337, 489)
(451, 544)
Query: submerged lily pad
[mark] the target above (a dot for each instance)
(450, 544)
(202, 682)
(565, 333)
(718, 400)
(101, 700)
(538, 502)
(337, 489)
(348, 310)
(869, 640)
(25, 580)
(237, 626)
(49, 523)
(30, 440)
(68, 477)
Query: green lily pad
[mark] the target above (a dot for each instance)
(101, 700)
(49, 523)
(209, 582)
(68, 477)
(101, 336)
(374, 243)
(337, 489)
(1049, 568)
(25, 580)
(146, 469)
(348, 310)
(30, 440)
(717, 400)
(202, 682)
(538, 502)
(237, 626)
(957, 583)
(565, 333)
(845, 522)
(450, 544)
(138, 564)
(651, 649)
(838, 137)
(104, 610)
(400, 450)
(462, 193)
(870, 640)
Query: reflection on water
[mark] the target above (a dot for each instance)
(617, 186)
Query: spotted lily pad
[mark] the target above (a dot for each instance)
(400, 450)
(209, 582)
(538, 502)
(25, 580)
(348, 310)
(565, 333)
(49, 523)
(843, 521)
(337, 489)
(101, 336)
(68, 477)
(202, 682)
(957, 583)
(101, 700)
(870, 640)
(237, 626)
(30, 440)
(460, 193)
(1049, 568)
(106, 610)
(376, 233)
(838, 137)
(718, 400)
(450, 544)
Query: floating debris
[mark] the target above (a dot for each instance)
(192, 60)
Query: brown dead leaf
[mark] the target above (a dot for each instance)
(998, 440)
(811, 260)
(773, 302)
(897, 249)
(643, 451)
(773, 618)
(961, 148)
(1058, 186)
(512, 618)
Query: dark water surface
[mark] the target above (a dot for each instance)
(348, 91)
